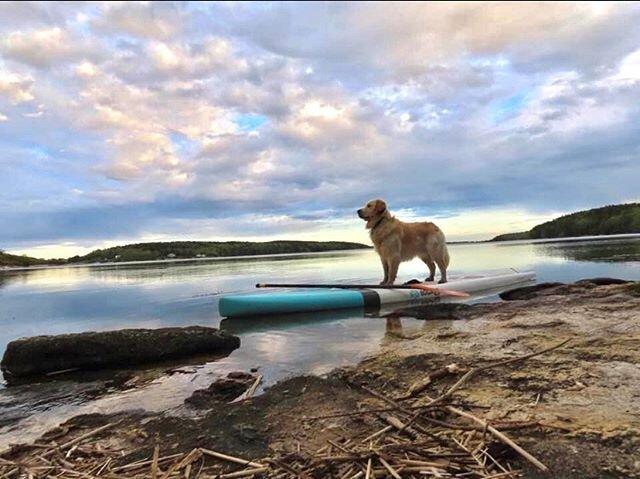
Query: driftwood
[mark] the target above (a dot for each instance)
(251, 391)
(419, 386)
(229, 458)
(79, 439)
(254, 386)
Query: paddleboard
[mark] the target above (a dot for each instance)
(279, 302)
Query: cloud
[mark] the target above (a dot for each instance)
(129, 120)
(45, 47)
(210, 57)
(155, 20)
(16, 88)
(37, 14)
(628, 71)
(400, 40)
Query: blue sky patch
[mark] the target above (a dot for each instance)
(509, 107)
(182, 143)
(250, 121)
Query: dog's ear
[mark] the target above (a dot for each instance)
(380, 207)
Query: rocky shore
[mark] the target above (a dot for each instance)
(546, 384)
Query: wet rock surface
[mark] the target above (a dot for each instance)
(222, 390)
(530, 292)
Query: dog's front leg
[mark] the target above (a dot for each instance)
(385, 267)
(394, 263)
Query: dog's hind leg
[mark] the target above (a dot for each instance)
(443, 262)
(437, 249)
(432, 267)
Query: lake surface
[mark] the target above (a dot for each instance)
(64, 300)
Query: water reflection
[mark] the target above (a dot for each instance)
(605, 251)
(281, 322)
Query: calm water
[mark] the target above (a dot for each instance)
(52, 301)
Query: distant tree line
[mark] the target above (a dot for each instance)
(183, 250)
(21, 261)
(208, 249)
(607, 220)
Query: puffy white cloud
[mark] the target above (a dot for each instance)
(325, 126)
(86, 69)
(46, 47)
(628, 70)
(210, 57)
(16, 88)
(157, 20)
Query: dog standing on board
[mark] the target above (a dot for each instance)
(396, 241)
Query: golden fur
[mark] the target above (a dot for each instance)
(397, 241)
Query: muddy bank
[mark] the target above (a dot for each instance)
(36, 356)
(576, 408)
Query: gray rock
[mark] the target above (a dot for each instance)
(527, 292)
(95, 350)
(603, 281)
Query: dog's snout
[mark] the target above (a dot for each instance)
(360, 213)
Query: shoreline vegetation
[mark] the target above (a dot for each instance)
(606, 221)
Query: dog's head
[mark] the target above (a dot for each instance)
(373, 209)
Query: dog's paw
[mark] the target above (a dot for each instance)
(442, 281)
(429, 279)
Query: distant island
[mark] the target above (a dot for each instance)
(607, 220)
(22, 261)
(184, 250)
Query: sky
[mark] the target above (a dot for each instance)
(128, 122)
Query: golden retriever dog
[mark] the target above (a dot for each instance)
(396, 241)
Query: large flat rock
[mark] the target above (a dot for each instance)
(94, 350)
